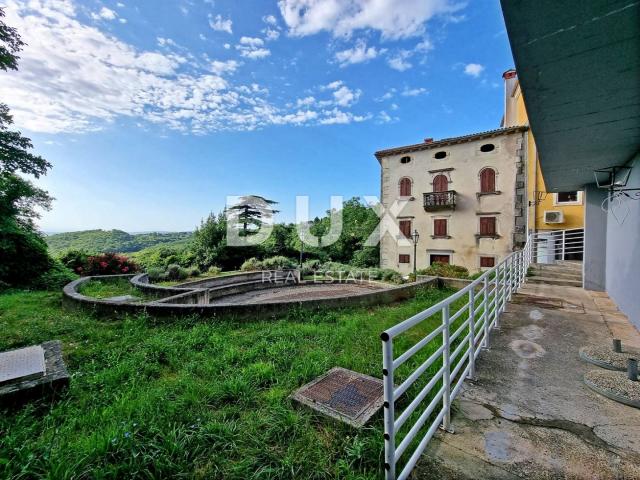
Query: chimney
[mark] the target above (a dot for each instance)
(428, 140)
(510, 103)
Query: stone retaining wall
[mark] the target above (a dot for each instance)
(184, 303)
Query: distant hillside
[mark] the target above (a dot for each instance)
(99, 241)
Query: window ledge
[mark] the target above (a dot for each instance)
(407, 199)
(494, 236)
(484, 194)
(440, 236)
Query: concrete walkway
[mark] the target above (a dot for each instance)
(528, 414)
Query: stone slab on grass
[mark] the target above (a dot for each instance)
(55, 378)
(21, 364)
(345, 395)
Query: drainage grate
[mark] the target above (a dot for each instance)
(343, 394)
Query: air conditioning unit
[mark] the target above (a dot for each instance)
(553, 216)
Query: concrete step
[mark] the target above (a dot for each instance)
(569, 267)
(555, 281)
(559, 274)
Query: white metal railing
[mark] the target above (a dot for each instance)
(453, 358)
(551, 245)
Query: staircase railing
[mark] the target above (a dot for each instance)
(550, 246)
(433, 369)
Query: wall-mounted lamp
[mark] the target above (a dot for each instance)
(613, 178)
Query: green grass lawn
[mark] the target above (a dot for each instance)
(109, 288)
(196, 399)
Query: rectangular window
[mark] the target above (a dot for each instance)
(567, 197)
(487, 262)
(439, 259)
(487, 226)
(404, 258)
(440, 227)
(405, 228)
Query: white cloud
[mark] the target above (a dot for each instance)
(387, 96)
(74, 78)
(305, 102)
(358, 54)
(219, 67)
(337, 116)
(413, 92)
(227, 46)
(400, 61)
(393, 18)
(104, 14)
(344, 96)
(271, 34)
(333, 85)
(270, 20)
(251, 47)
(473, 69)
(220, 25)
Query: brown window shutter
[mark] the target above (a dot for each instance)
(405, 228)
(487, 262)
(440, 183)
(488, 180)
(405, 187)
(487, 225)
(440, 227)
(404, 258)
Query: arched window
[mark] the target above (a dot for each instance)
(440, 183)
(405, 187)
(488, 180)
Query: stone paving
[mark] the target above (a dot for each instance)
(529, 414)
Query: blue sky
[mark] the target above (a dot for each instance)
(153, 112)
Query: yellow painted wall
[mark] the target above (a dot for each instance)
(573, 214)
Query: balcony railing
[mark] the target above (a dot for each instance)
(440, 200)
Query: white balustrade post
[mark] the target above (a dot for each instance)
(389, 408)
(446, 376)
(486, 311)
(472, 333)
(564, 242)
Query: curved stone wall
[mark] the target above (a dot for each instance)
(193, 298)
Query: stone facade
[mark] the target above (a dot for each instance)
(461, 161)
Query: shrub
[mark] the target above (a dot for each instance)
(213, 270)
(278, 263)
(176, 272)
(75, 260)
(367, 257)
(251, 265)
(194, 272)
(55, 278)
(389, 275)
(156, 274)
(438, 269)
(109, 264)
(23, 256)
(310, 267)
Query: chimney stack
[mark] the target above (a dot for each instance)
(510, 79)
(428, 140)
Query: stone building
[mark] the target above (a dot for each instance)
(465, 196)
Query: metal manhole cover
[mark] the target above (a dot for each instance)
(22, 364)
(343, 394)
